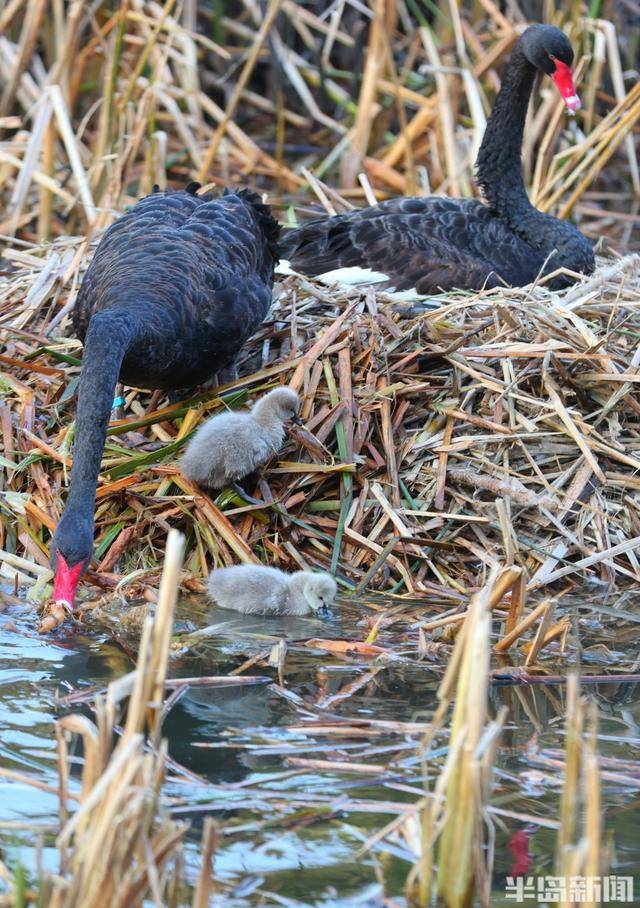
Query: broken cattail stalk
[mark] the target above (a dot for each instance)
(541, 633)
(462, 789)
(507, 641)
(579, 845)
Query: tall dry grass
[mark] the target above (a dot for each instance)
(100, 102)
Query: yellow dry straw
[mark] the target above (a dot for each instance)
(119, 848)
(456, 808)
(579, 847)
(456, 846)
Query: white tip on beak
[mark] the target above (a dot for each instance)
(573, 103)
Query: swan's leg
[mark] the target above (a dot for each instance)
(245, 495)
(176, 397)
(132, 439)
(255, 501)
(229, 374)
(226, 376)
(117, 411)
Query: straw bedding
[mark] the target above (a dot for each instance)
(497, 427)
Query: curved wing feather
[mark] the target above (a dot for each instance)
(432, 243)
(195, 271)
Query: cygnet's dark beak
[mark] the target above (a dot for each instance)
(297, 421)
(324, 612)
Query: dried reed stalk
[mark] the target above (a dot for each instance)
(454, 814)
(118, 848)
(580, 850)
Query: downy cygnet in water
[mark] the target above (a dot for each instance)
(259, 590)
(231, 445)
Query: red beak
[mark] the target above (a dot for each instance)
(518, 845)
(563, 77)
(66, 582)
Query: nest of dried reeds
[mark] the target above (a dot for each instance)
(494, 428)
(499, 427)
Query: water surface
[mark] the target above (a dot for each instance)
(293, 831)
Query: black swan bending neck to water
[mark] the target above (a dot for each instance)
(433, 244)
(177, 285)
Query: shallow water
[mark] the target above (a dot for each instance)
(319, 821)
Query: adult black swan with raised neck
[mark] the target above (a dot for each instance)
(176, 287)
(433, 244)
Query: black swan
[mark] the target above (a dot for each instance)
(176, 286)
(432, 244)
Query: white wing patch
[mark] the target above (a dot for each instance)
(284, 268)
(355, 276)
(342, 277)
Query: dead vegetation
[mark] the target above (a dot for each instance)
(497, 428)
(100, 103)
(119, 847)
(491, 429)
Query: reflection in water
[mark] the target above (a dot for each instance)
(249, 732)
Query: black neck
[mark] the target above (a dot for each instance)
(108, 337)
(499, 165)
(499, 168)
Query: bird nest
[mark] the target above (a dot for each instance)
(498, 427)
